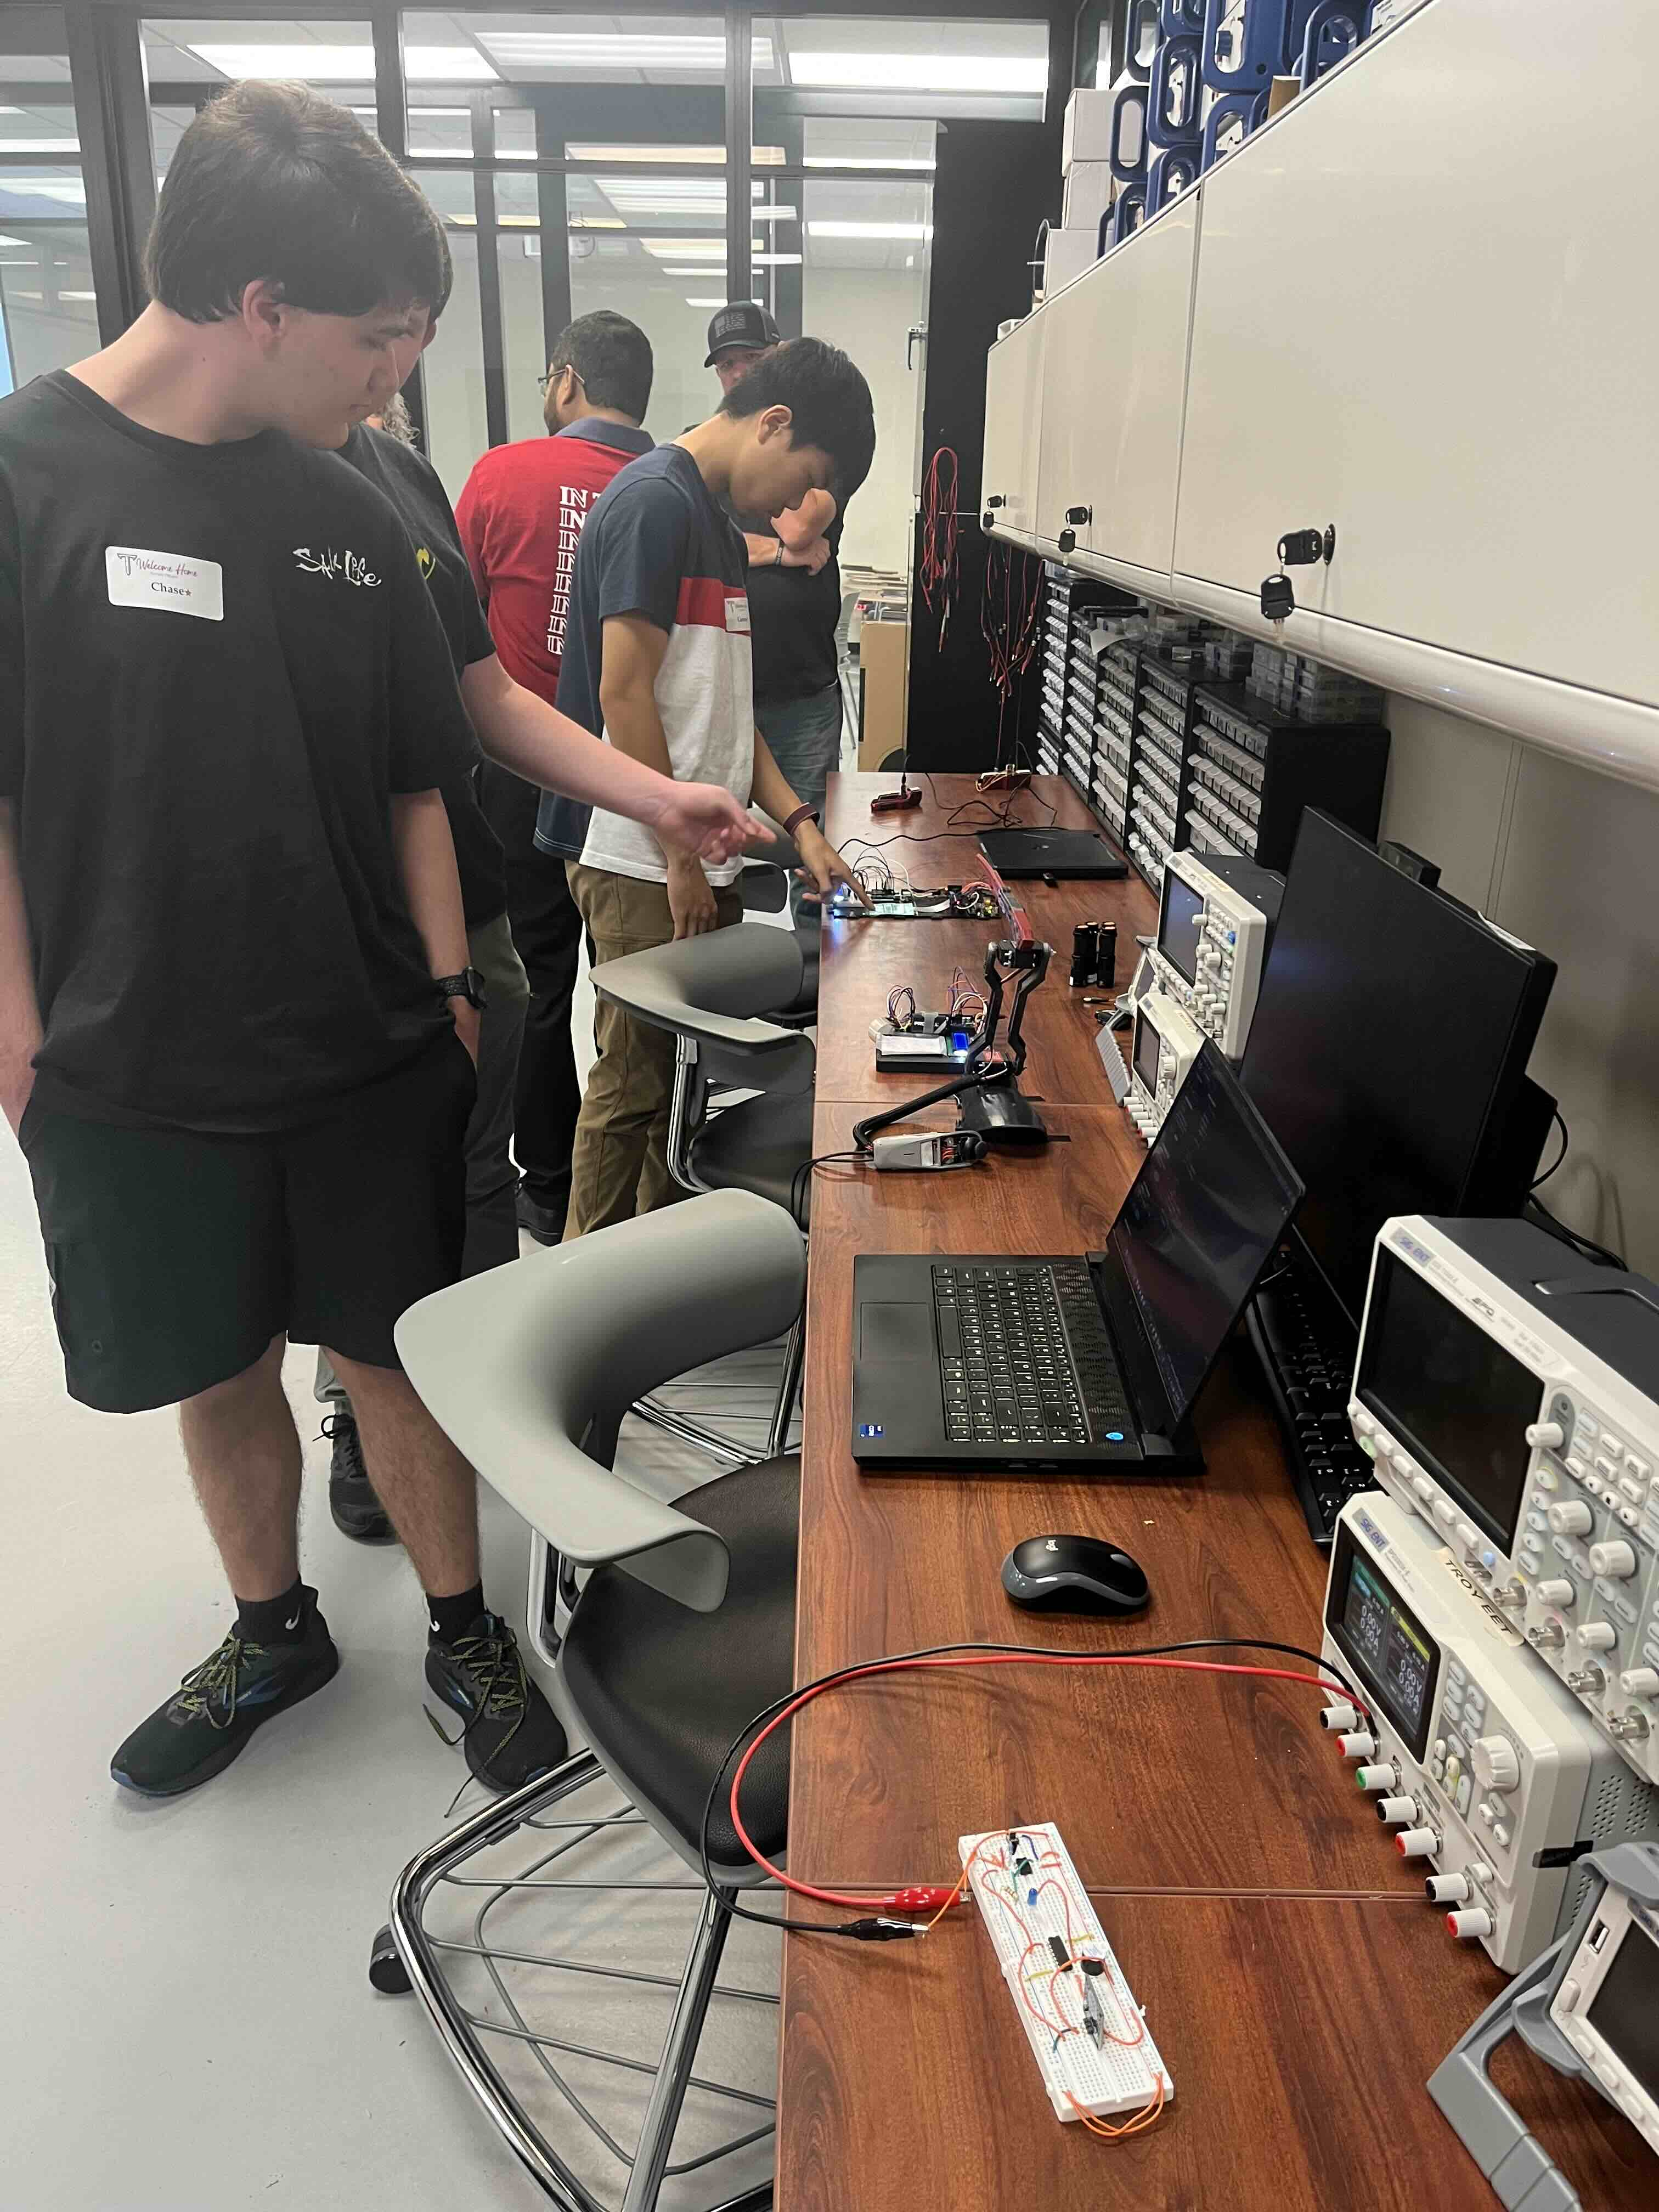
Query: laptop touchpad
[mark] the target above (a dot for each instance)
(890, 1328)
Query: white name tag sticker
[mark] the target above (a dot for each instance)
(170, 583)
(737, 615)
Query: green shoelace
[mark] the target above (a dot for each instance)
(219, 1676)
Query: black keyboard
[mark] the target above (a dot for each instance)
(1307, 1353)
(1024, 1356)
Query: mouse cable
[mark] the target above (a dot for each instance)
(931, 1896)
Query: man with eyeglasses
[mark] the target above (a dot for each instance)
(520, 517)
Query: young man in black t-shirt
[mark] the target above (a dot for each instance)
(237, 1020)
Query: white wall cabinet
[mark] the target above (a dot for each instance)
(1115, 366)
(1404, 325)
(1400, 323)
(1013, 427)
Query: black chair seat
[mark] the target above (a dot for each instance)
(760, 1146)
(664, 1690)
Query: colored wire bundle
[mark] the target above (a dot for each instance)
(1011, 614)
(938, 565)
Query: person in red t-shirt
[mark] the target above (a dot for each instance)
(520, 517)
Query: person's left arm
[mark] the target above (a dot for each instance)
(771, 793)
(546, 747)
(425, 855)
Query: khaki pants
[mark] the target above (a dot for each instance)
(619, 1166)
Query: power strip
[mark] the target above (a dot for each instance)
(1088, 2035)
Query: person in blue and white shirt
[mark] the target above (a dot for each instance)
(658, 661)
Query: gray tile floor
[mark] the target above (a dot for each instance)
(187, 2025)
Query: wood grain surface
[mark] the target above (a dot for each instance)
(1299, 2035)
(863, 960)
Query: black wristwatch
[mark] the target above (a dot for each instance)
(468, 985)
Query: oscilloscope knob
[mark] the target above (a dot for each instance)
(1596, 1635)
(1570, 1517)
(1546, 1435)
(1616, 1560)
(1556, 1593)
(1640, 1682)
(1495, 1766)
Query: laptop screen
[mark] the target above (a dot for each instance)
(1212, 1200)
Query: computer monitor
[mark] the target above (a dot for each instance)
(1213, 1197)
(1388, 1051)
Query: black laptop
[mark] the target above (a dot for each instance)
(1000, 1364)
(1019, 855)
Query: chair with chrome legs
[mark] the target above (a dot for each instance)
(718, 995)
(683, 1632)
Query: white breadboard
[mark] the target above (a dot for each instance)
(1102, 2055)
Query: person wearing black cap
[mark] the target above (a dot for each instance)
(738, 335)
(794, 594)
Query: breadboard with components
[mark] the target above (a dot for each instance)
(1089, 2037)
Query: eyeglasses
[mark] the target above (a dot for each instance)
(553, 375)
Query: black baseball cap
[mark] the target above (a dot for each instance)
(740, 323)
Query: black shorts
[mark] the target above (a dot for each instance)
(176, 1257)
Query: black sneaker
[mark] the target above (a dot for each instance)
(544, 1223)
(216, 1709)
(511, 1734)
(352, 1499)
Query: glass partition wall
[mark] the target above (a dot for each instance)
(578, 159)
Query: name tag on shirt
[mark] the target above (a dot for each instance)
(171, 583)
(737, 614)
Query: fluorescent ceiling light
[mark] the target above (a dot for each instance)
(318, 64)
(869, 162)
(595, 222)
(77, 295)
(10, 146)
(19, 295)
(757, 260)
(708, 251)
(687, 53)
(715, 156)
(35, 265)
(869, 230)
(6, 240)
(1011, 73)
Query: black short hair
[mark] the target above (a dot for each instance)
(826, 396)
(612, 356)
(275, 181)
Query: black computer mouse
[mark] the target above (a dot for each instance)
(1073, 1574)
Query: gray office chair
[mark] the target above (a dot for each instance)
(683, 1632)
(715, 993)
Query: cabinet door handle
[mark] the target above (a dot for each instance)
(1079, 514)
(995, 499)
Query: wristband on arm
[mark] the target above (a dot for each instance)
(801, 814)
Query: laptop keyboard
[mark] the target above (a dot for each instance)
(1025, 1356)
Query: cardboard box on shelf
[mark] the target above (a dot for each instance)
(1280, 92)
(1088, 194)
(883, 660)
(1088, 133)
